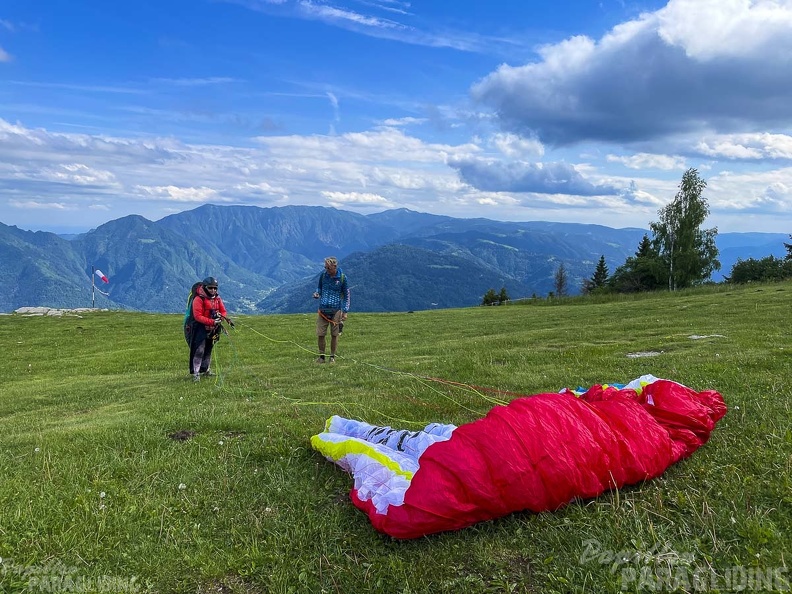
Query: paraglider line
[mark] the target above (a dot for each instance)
(292, 401)
(478, 390)
(215, 366)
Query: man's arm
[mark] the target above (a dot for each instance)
(347, 298)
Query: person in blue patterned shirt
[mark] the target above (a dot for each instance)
(333, 294)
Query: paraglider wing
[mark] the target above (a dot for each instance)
(538, 453)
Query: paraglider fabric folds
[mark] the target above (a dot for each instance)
(537, 453)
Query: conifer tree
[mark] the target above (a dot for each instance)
(600, 278)
(490, 298)
(561, 280)
(645, 271)
(503, 297)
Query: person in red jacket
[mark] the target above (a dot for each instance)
(208, 310)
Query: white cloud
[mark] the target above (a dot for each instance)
(4, 55)
(664, 73)
(77, 173)
(331, 13)
(513, 145)
(649, 161)
(638, 196)
(178, 194)
(371, 170)
(117, 90)
(403, 121)
(754, 192)
(357, 199)
(36, 205)
(259, 188)
(747, 146)
(389, 5)
(715, 29)
(375, 26)
(196, 82)
(384, 145)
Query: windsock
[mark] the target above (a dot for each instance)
(101, 275)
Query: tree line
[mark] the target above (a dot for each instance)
(679, 254)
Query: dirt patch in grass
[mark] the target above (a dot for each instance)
(181, 435)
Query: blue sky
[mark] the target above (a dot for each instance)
(575, 111)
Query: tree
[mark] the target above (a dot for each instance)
(490, 298)
(764, 270)
(788, 247)
(645, 271)
(561, 280)
(689, 253)
(503, 297)
(599, 281)
(600, 277)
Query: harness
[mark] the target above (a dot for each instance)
(323, 314)
(331, 320)
(189, 318)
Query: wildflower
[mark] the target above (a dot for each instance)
(37, 450)
(102, 495)
(182, 486)
(220, 442)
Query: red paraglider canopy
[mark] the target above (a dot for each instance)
(537, 453)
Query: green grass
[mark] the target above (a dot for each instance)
(88, 405)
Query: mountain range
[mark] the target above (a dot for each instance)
(267, 259)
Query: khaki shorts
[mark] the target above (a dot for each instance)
(322, 323)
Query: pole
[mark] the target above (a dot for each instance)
(93, 286)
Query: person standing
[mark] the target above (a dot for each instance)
(333, 294)
(208, 310)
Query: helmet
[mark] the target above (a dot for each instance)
(209, 281)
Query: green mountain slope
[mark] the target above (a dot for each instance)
(401, 278)
(265, 257)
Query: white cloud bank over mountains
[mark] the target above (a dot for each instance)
(592, 130)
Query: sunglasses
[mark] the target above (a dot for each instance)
(211, 288)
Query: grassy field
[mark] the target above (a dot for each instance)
(119, 474)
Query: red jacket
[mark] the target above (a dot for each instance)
(203, 306)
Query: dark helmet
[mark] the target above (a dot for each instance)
(209, 281)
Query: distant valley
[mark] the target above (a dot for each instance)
(267, 259)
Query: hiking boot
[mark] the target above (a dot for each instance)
(332, 358)
(320, 359)
(208, 373)
(196, 377)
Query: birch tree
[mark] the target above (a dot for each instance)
(688, 251)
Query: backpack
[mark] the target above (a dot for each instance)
(189, 320)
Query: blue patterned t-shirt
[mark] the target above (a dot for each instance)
(333, 291)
